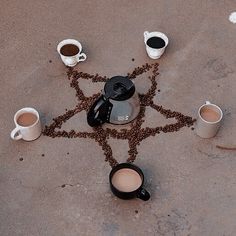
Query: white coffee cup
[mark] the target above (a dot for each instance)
(207, 127)
(71, 60)
(30, 132)
(155, 53)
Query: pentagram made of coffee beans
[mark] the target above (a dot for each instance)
(135, 134)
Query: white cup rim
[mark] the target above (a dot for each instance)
(69, 41)
(26, 110)
(158, 34)
(210, 122)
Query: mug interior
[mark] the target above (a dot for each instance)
(126, 166)
(69, 41)
(160, 35)
(23, 111)
(211, 107)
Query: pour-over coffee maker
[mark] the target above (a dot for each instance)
(119, 103)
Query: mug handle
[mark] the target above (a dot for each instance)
(145, 34)
(81, 57)
(143, 194)
(207, 102)
(99, 112)
(15, 134)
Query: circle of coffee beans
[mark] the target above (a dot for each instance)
(135, 134)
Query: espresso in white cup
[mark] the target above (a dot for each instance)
(156, 43)
(70, 52)
(28, 125)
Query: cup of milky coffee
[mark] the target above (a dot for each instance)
(156, 43)
(28, 125)
(209, 120)
(126, 182)
(70, 52)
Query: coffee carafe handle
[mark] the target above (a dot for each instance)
(99, 112)
(143, 194)
(145, 34)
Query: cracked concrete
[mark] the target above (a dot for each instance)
(66, 190)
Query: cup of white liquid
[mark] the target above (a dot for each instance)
(209, 120)
(126, 182)
(28, 125)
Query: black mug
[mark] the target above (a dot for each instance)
(139, 192)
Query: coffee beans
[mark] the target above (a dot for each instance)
(135, 134)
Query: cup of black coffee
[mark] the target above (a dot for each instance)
(126, 182)
(155, 42)
(70, 52)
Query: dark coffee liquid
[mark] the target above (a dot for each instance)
(156, 42)
(69, 50)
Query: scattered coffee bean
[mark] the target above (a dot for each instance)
(50, 61)
(192, 128)
(21, 159)
(67, 153)
(42, 155)
(63, 186)
(133, 59)
(136, 211)
(100, 134)
(158, 90)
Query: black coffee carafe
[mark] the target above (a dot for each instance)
(119, 103)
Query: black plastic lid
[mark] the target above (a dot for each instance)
(119, 88)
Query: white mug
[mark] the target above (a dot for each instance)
(208, 128)
(71, 60)
(155, 53)
(28, 133)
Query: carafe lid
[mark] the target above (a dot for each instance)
(119, 88)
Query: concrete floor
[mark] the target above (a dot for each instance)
(192, 183)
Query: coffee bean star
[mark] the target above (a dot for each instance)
(135, 134)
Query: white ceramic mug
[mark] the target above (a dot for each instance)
(71, 60)
(28, 133)
(206, 128)
(155, 53)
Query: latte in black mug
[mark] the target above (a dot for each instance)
(126, 182)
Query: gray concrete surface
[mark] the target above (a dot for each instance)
(193, 184)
